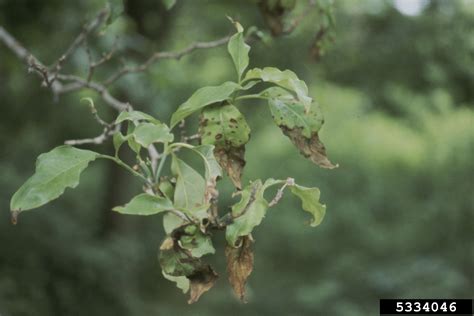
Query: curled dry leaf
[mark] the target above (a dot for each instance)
(201, 281)
(180, 257)
(311, 148)
(240, 265)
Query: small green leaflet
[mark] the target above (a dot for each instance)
(135, 116)
(198, 243)
(310, 202)
(148, 133)
(145, 204)
(239, 51)
(290, 112)
(286, 79)
(224, 126)
(202, 98)
(55, 171)
(190, 186)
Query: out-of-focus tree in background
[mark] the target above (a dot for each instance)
(397, 89)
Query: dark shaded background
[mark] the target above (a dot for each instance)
(398, 96)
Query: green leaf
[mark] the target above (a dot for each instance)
(167, 188)
(118, 140)
(291, 113)
(116, 9)
(55, 171)
(239, 51)
(202, 98)
(145, 204)
(182, 282)
(198, 243)
(286, 79)
(310, 202)
(169, 4)
(213, 170)
(132, 143)
(249, 211)
(190, 186)
(135, 116)
(148, 133)
(171, 222)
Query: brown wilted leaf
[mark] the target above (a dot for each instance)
(311, 148)
(240, 265)
(232, 160)
(201, 281)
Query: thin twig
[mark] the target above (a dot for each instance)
(87, 29)
(106, 134)
(164, 55)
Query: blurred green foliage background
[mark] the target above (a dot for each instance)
(397, 88)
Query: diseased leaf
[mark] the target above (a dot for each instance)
(198, 243)
(145, 204)
(55, 171)
(202, 98)
(240, 265)
(190, 186)
(310, 202)
(182, 282)
(239, 51)
(286, 79)
(311, 148)
(289, 112)
(148, 133)
(225, 127)
(300, 123)
(201, 281)
(135, 116)
(178, 262)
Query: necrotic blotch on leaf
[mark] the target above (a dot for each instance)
(311, 148)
